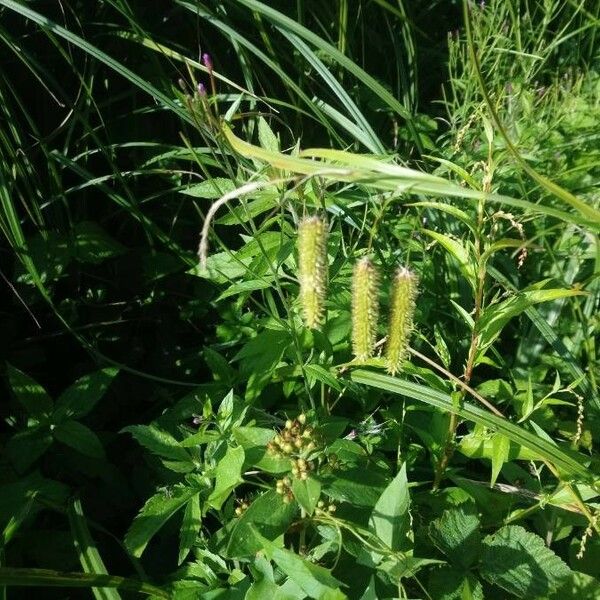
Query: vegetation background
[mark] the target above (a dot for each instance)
(143, 391)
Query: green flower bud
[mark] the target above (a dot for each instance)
(365, 308)
(404, 292)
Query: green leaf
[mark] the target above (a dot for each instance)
(500, 453)
(80, 438)
(86, 549)
(323, 375)
(29, 393)
(448, 583)
(519, 562)
(456, 534)
(159, 442)
(390, 519)
(571, 463)
(229, 474)
(359, 486)
(48, 578)
(267, 139)
(211, 189)
(25, 447)
(93, 245)
(316, 581)
(496, 316)
(267, 514)
(459, 252)
(81, 397)
(307, 493)
(155, 513)
(192, 519)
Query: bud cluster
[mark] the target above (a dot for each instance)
(294, 439)
(241, 508)
(322, 508)
(284, 487)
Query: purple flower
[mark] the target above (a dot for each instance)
(202, 89)
(207, 61)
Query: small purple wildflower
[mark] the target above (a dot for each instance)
(201, 89)
(207, 61)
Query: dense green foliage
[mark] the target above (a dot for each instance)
(185, 415)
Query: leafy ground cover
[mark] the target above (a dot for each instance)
(300, 299)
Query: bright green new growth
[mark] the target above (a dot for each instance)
(365, 308)
(404, 292)
(312, 261)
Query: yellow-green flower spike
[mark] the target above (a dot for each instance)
(402, 310)
(312, 262)
(365, 308)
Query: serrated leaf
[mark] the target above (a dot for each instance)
(456, 534)
(307, 493)
(192, 519)
(448, 583)
(229, 474)
(81, 397)
(159, 442)
(155, 513)
(390, 519)
(80, 438)
(29, 393)
(519, 562)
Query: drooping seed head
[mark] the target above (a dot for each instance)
(402, 310)
(365, 308)
(312, 262)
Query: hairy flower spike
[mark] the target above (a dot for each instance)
(312, 260)
(404, 292)
(365, 308)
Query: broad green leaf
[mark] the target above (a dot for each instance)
(89, 557)
(159, 442)
(456, 534)
(448, 583)
(154, 514)
(570, 463)
(93, 245)
(246, 287)
(81, 397)
(500, 452)
(358, 485)
(307, 493)
(519, 562)
(316, 581)
(192, 519)
(25, 447)
(267, 514)
(211, 189)
(80, 438)
(29, 393)
(496, 316)
(390, 519)
(229, 474)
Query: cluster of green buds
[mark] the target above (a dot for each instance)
(284, 487)
(294, 439)
(324, 508)
(301, 468)
(242, 507)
